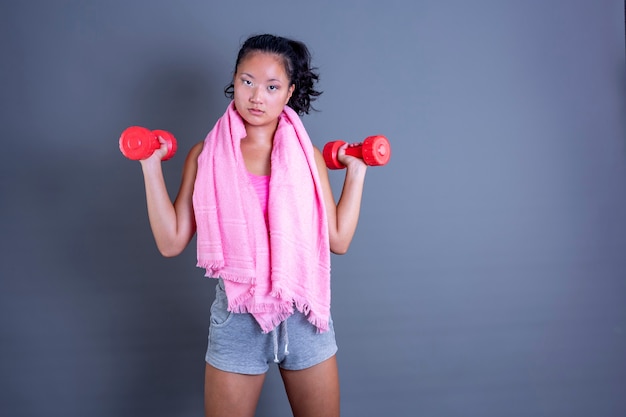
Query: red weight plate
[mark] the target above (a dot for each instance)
(136, 143)
(376, 150)
(330, 154)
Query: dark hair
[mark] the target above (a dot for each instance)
(297, 61)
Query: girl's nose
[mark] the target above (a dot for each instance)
(256, 95)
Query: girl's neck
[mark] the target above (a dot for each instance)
(261, 134)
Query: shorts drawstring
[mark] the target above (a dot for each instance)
(285, 339)
(275, 338)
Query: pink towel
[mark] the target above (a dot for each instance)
(265, 272)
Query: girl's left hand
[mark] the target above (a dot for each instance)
(348, 160)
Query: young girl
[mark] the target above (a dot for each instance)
(257, 193)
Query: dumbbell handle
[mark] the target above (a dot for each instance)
(138, 143)
(374, 150)
(356, 151)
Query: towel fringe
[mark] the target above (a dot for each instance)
(267, 325)
(211, 267)
(236, 278)
(284, 309)
(237, 305)
(215, 272)
(302, 306)
(280, 292)
(321, 324)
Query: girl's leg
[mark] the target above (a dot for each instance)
(314, 391)
(228, 394)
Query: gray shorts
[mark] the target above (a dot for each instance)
(237, 344)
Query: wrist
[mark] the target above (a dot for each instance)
(356, 169)
(150, 164)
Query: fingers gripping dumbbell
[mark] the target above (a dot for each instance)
(375, 151)
(137, 143)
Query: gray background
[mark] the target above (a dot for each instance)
(488, 273)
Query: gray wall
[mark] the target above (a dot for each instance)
(488, 273)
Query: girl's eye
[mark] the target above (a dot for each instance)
(272, 88)
(246, 82)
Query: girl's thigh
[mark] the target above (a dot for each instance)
(313, 391)
(228, 394)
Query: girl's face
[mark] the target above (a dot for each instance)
(261, 88)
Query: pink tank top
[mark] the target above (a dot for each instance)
(261, 184)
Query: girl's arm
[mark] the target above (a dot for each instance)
(173, 225)
(343, 216)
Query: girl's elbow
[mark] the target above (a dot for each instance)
(339, 248)
(166, 253)
(173, 246)
(170, 251)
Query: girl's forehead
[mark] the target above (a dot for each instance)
(262, 61)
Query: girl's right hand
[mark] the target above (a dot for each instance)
(158, 154)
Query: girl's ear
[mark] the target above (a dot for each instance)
(292, 87)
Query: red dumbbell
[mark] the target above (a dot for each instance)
(375, 151)
(137, 143)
